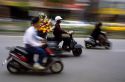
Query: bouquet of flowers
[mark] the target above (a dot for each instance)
(46, 25)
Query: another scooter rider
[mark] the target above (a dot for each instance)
(57, 32)
(97, 34)
(34, 43)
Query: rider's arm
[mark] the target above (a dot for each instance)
(29, 38)
(38, 37)
(60, 30)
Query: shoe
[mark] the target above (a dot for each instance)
(38, 66)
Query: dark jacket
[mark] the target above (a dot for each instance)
(57, 32)
(96, 32)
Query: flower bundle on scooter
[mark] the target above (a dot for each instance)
(46, 25)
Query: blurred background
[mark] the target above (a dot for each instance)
(78, 15)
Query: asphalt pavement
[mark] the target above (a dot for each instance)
(94, 65)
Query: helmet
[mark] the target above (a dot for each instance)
(58, 18)
(99, 23)
(35, 20)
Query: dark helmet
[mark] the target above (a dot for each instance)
(35, 20)
(98, 24)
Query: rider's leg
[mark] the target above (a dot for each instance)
(38, 57)
(35, 52)
(102, 40)
(42, 54)
(66, 43)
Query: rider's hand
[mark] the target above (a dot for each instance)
(44, 41)
(70, 32)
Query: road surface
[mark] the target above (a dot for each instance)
(94, 65)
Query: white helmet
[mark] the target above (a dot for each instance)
(58, 18)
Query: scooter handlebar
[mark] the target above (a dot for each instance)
(70, 32)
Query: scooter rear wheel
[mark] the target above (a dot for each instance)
(12, 67)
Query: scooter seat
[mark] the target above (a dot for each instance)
(21, 50)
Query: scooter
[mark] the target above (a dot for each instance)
(91, 43)
(20, 60)
(73, 46)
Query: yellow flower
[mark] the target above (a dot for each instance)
(45, 25)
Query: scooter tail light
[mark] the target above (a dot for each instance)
(22, 58)
(49, 51)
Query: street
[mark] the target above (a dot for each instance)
(94, 65)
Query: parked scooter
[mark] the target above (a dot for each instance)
(74, 46)
(20, 60)
(91, 43)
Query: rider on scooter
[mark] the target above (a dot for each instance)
(57, 32)
(97, 34)
(34, 43)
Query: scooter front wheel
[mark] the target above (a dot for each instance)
(108, 45)
(57, 67)
(77, 51)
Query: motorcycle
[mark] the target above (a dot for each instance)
(21, 60)
(91, 43)
(73, 46)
